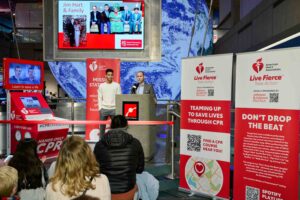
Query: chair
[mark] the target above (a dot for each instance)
(130, 195)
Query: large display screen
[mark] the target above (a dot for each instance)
(30, 102)
(100, 24)
(23, 74)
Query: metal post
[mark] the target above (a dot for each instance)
(72, 115)
(167, 160)
(172, 174)
(172, 150)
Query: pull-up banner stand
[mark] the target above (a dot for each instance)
(267, 125)
(96, 72)
(205, 125)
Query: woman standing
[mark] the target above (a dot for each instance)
(76, 174)
(77, 28)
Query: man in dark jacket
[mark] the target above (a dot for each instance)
(120, 156)
(71, 32)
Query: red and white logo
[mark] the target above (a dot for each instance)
(93, 66)
(199, 168)
(130, 110)
(258, 66)
(24, 111)
(200, 68)
(131, 43)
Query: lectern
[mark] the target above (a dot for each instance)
(142, 108)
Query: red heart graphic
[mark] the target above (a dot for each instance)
(199, 168)
(200, 68)
(258, 66)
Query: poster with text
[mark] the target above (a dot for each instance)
(267, 125)
(205, 125)
(95, 76)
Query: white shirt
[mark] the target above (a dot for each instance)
(140, 89)
(107, 95)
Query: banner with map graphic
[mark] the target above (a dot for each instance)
(95, 76)
(205, 125)
(267, 125)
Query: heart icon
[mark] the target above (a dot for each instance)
(200, 68)
(258, 66)
(199, 168)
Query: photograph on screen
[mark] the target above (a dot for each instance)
(30, 102)
(24, 74)
(2, 91)
(102, 24)
(74, 30)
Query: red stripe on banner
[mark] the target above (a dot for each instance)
(204, 115)
(92, 41)
(133, 1)
(31, 122)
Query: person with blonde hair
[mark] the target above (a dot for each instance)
(8, 181)
(77, 174)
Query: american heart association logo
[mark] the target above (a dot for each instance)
(258, 66)
(200, 68)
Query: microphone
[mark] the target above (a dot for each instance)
(134, 87)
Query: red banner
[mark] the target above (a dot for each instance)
(205, 125)
(95, 76)
(264, 149)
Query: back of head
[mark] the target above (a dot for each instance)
(75, 165)
(27, 162)
(119, 121)
(8, 180)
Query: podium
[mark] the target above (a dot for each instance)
(142, 108)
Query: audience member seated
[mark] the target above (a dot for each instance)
(8, 181)
(136, 21)
(116, 23)
(120, 156)
(76, 174)
(32, 175)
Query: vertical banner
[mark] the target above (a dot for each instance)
(267, 125)
(205, 125)
(95, 76)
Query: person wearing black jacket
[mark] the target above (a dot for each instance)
(71, 32)
(120, 156)
(104, 19)
(95, 18)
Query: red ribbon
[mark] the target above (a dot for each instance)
(90, 122)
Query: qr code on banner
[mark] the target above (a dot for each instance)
(194, 143)
(211, 92)
(274, 97)
(252, 193)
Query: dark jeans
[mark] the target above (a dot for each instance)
(104, 114)
(108, 28)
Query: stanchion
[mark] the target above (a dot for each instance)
(72, 116)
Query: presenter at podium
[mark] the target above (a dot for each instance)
(141, 87)
(107, 98)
